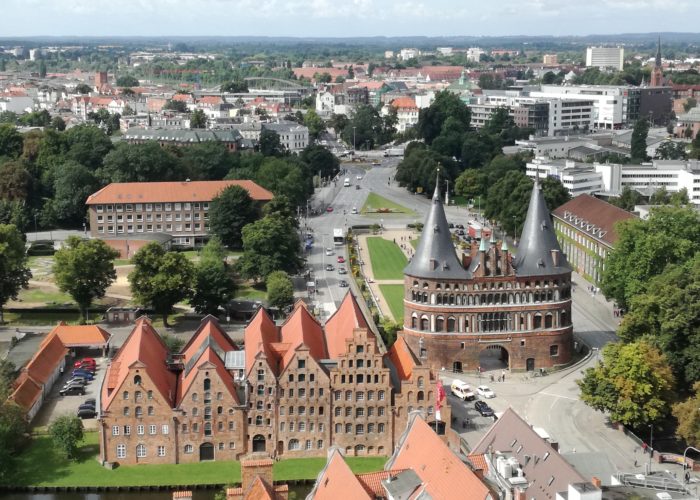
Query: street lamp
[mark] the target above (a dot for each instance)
(353, 139)
(651, 444)
(685, 452)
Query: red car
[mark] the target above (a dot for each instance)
(329, 209)
(341, 259)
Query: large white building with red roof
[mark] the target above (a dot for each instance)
(292, 390)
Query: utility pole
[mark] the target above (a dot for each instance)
(353, 139)
(651, 445)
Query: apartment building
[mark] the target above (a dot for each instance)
(605, 57)
(178, 209)
(294, 137)
(183, 138)
(577, 178)
(293, 390)
(550, 59)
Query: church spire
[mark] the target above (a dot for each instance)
(658, 54)
(436, 257)
(539, 252)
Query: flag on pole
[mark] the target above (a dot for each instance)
(440, 398)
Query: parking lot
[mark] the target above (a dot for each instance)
(56, 405)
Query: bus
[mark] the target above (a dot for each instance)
(338, 237)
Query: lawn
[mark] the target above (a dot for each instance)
(247, 291)
(387, 259)
(414, 243)
(374, 203)
(40, 465)
(37, 295)
(31, 317)
(393, 295)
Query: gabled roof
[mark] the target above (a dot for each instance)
(43, 364)
(339, 327)
(443, 474)
(402, 358)
(404, 103)
(435, 257)
(81, 335)
(302, 328)
(258, 336)
(336, 481)
(27, 392)
(210, 359)
(594, 216)
(209, 331)
(543, 466)
(372, 481)
(538, 241)
(163, 192)
(145, 347)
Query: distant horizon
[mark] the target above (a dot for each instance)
(351, 19)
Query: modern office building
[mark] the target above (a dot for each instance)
(577, 178)
(605, 57)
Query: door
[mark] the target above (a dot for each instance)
(206, 452)
(258, 442)
(530, 364)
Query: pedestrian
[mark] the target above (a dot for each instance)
(503, 375)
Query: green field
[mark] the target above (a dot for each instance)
(387, 259)
(374, 203)
(40, 465)
(393, 294)
(414, 243)
(45, 296)
(246, 291)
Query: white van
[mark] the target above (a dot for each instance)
(462, 390)
(347, 182)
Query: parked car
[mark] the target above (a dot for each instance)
(483, 409)
(85, 368)
(329, 251)
(343, 284)
(329, 267)
(341, 270)
(354, 210)
(72, 390)
(86, 407)
(90, 401)
(485, 392)
(329, 209)
(82, 373)
(75, 380)
(89, 360)
(341, 259)
(86, 413)
(359, 177)
(462, 390)
(84, 362)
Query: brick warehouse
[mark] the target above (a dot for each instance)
(293, 390)
(459, 311)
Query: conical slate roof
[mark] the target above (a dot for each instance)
(538, 241)
(436, 257)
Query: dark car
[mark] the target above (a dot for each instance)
(86, 407)
(90, 401)
(86, 413)
(329, 267)
(483, 409)
(73, 390)
(343, 284)
(82, 373)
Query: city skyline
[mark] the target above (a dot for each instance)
(355, 18)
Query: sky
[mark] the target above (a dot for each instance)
(344, 18)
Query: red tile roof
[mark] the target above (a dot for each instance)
(337, 482)
(404, 103)
(443, 474)
(44, 363)
(339, 327)
(183, 98)
(81, 335)
(372, 481)
(259, 336)
(144, 346)
(208, 328)
(210, 359)
(402, 358)
(211, 100)
(479, 462)
(27, 392)
(173, 192)
(599, 213)
(302, 328)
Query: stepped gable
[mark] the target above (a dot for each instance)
(209, 358)
(259, 335)
(145, 347)
(302, 328)
(209, 329)
(444, 475)
(340, 326)
(539, 253)
(402, 358)
(435, 257)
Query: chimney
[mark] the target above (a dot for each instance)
(596, 482)
(253, 466)
(555, 258)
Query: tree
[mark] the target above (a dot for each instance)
(689, 104)
(208, 160)
(269, 244)
(229, 212)
(280, 290)
(633, 383)
(671, 150)
(270, 144)
(688, 416)
(10, 141)
(235, 86)
(320, 160)
(13, 428)
(286, 176)
(471, 183)
(281, 207)
(173, 105)
(66, 432)
(667, 314)
(555, 194)
(87, 144)
(214, 286)
(365, 128)
(659, 197)
(431, 119)
(671, 235)
(627, 200)
(9, 117)
(198, 119)
(57, 123)
(14, 273)
(84, 269)
(639, 140)
(147, 162)
(109, 122)
(15, 181)
(314, 123)
(161, 279)
(83, 88)
(127, 81)
(72, 184)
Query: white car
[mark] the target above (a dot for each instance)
(485, 392)
(359, 177)
(329, 251)
(354, 210)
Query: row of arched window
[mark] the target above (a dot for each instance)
(452, 299)
(492, 285)
(490, 322)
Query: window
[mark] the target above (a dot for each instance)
(308, 444)
(195, 412)
(115, 430)
(121, 451)
(359, 412)
(194, 396)
(360, 396)
(302, 426)
(126, 411)
(554, 350)
(195, 427)
(380, 411)
(302, 393)
(348, 428)
(381, 395)
(301, 363)
(161, 451)
(125, 395)
(348, 395)
(140, 430)
(359, 429)
(207, 429)
(152, 429)
(151, 412)
(139, 412)
(293, 444)
(127, 430)
(221, 446)
(337, 411)
(370, 395)
(188, 448)
(164, 429)
(207, 385)
(380, 428)
(370, 428)
(141, 451)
